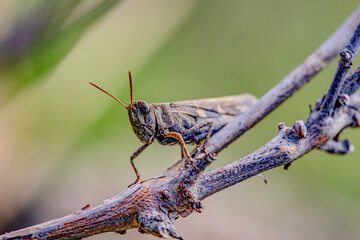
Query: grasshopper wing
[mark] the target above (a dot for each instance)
(215, 107)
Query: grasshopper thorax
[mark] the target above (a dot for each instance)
(143, 120)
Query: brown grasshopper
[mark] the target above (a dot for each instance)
(185, 122)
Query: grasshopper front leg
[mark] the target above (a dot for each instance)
(135, 154)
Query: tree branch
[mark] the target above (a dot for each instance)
(288, 145)
(153, 205)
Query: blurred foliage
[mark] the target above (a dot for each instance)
(64, 144)
(42, 36)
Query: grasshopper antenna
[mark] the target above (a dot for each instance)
(109, 94)
(131, 91)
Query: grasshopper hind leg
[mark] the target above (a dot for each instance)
(207, 123)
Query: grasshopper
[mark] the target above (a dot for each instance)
(183, 122)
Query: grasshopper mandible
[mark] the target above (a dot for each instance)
(184, 122)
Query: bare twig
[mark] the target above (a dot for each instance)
(153, 205)
(338, 147)
(347, 57)
(351, 83)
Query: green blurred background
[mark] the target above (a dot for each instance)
(64, 144)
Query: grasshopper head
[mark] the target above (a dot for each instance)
(141, 115)
(142, 119)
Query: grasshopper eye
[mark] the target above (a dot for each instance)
(144, 107)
